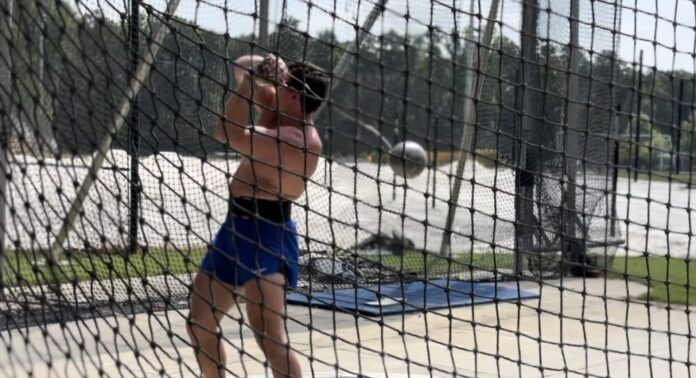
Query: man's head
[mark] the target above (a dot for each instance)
(305, 90)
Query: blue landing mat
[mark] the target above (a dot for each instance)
(409, 297)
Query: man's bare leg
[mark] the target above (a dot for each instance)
(210, 301)
(266, 311)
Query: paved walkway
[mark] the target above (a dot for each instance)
(563, 333)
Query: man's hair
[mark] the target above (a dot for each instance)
(311, 82)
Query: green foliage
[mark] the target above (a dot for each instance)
(687, 144)
(408, 86)
(37, 33)
(652, 144)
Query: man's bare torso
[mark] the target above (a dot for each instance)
(299, 156)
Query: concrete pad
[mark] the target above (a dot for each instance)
(577, 327)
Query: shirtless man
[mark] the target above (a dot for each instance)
(255, 252)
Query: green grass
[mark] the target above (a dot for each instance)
(676, 285)
(670, 280)
(665, 285)
(430, 264)
(20, 269)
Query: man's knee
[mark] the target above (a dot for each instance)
(202, 327)
(208, 305)
(274, 347)
(272, 341)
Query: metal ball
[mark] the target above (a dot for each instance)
(408, 159)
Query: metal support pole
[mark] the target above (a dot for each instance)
(622, 124)
(365, 126)
(263, 23)
(45, 138)
(4, 194)
(466, 143)
(433, 162)
(344, 61)
(676, 146)
(133, 133)
(117, 122)
(614, 184)
(5, 133)
(571, 124)
(528, 103)
(636, 158)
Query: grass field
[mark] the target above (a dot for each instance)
(670, 280)
(429, 264)
(83, 266)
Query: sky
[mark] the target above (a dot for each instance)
(642, 22)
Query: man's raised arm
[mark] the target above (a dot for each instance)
(236, 114)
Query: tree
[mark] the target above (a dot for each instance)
(687, 140)
(651, 146)
(408, 86)
(32, 113)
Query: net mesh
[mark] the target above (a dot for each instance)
(573, 185)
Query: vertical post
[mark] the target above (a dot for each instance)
(46, 140)
(342, 65)
(622, 124)
(117, 122)
(680, 115)
(615, 132)
(5, 133)
(433, 161)
(394, 142)
(4, 143)
(263, 23)
(466, 144)
(519, 156)
(614, 184)
(133, 133)
(572, 122)
(530, 131)
(638, 112)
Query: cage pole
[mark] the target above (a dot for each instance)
(527, 102)
(680, 115)
(6, 132)
(636, 158)
(263, 23)
(571, 124)
(133, 132)
(344, 60)
(346, 57)
(466, 143)
(116, 124)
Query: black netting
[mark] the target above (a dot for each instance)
(549, 152)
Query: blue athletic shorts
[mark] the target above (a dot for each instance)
(249, 247)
